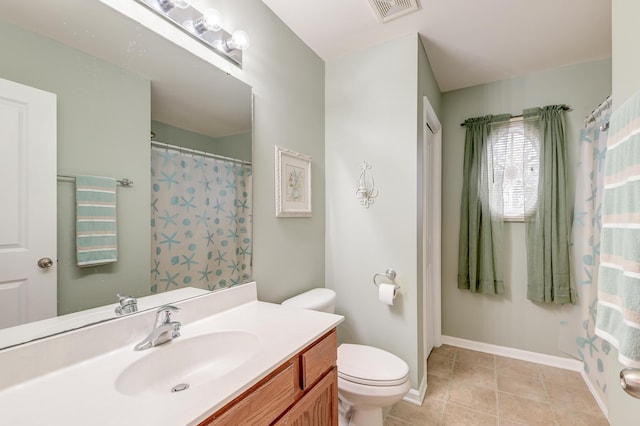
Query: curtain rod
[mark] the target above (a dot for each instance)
(202, 153)
(564, 108)
(597, 110)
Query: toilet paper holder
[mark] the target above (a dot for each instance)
(389, 273)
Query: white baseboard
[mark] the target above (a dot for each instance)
(596, 395)
(550, 360)
(416, 396)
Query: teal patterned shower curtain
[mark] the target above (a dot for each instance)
(201, 220)
(590, 349)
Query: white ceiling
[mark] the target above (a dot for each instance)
(468, 42)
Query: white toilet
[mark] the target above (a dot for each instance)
(368, 378)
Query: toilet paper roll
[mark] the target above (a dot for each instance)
(386, 293)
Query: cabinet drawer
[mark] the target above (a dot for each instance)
(318, 359)
(263, 405)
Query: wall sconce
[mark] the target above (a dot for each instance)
(204, 26)
(366, 191)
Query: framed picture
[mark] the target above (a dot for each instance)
(293, 184)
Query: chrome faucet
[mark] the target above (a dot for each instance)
(128, 305)
(163, 330)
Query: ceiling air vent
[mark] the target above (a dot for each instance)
(387, 10)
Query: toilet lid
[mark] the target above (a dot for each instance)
(370, 366)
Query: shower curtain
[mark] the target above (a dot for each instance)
(590, 349)
(201, 221)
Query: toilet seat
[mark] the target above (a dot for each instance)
(370, 366)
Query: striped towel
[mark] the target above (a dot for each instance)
(96, 227)
(618, 312)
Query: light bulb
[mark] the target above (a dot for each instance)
(167, 5)
(188, 25)
(209, 21)
(181, 4)
(239, 40)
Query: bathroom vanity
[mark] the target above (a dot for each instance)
(237, 361)
(303, 390)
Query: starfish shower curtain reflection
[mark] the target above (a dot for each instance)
(201, 220)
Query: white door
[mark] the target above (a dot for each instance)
(431, 224)
(427, 240)
(28, 292)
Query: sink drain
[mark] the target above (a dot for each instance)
(179, 388)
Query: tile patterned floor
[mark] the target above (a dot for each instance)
(475, 388)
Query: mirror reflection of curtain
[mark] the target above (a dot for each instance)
(201, 220)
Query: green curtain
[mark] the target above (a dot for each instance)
(548, 227)
(480, 250)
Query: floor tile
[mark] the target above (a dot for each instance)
(530, 412)
(440, 366)
(437, 387)
(445, 351)
(507, 422)
(475, 357)
(573, 398)
(456, 415)
(522, 385)
(474, 397)
(561, 376)
(393, 421)
(470, 388)
(474, 375)
(428, 414)
(580, 418)
(510, 365)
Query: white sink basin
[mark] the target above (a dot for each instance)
(191, 361)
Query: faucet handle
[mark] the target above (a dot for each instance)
(128, 305)
(163, 314)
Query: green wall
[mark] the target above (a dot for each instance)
(427, 87)
(373, 113)
(233, 146)
(510, 320)
(103, 128)
(625, 34)
(288, 89)
(236, 146)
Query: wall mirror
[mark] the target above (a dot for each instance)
(116, 82)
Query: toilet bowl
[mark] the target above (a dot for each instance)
(368, 378)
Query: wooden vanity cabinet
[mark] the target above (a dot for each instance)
(302, 392)
(318, 407)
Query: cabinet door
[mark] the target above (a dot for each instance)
(259, 407)
(318, 359)
(319, 407)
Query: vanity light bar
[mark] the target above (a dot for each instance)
(203, 26)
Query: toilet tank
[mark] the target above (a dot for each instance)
(317, 299)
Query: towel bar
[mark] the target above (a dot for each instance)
(122, 182)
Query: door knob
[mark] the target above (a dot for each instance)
(630, 381)
(45, 263)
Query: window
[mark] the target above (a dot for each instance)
(514, 164)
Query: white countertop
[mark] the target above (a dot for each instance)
(85, 392)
